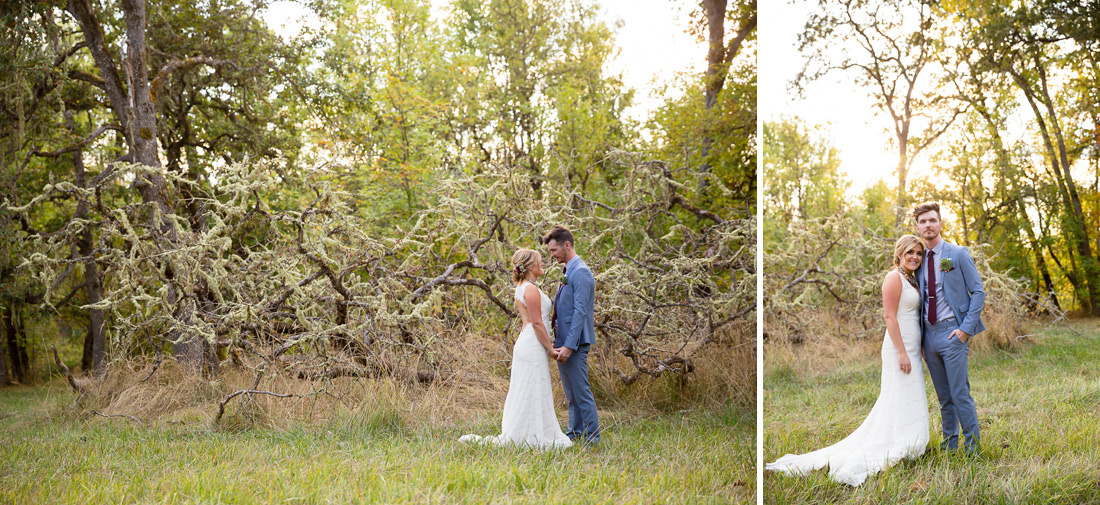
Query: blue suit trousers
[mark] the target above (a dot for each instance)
(948, 366)
(582, 405)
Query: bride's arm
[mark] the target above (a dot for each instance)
(891, 298)
(534, 315)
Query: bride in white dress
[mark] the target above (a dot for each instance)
(897, 426)
(529, 419)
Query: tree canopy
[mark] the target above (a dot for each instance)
(186, 184)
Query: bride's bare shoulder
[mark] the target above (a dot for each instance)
(529, 288)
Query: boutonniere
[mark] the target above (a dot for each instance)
(564, 280)
(945, 265)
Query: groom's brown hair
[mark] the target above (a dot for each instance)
(559, 234)
(926, 207)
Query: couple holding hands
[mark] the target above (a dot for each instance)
(529, 418)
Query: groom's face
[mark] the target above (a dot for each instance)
(929, 225)
(558, 250)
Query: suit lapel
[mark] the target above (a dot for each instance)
(949, 253)
(561, 285)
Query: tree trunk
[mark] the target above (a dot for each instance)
(1007, 173)
(902, 169)
(196, 211)
(719, 57)
(17, 349)
(138, 119)
(1084, 247)
(5, 378)
(86, 361)
(143, 141)
(1078, 233)
(108, 71)
(962, 209)
(93, 281)
(1040, 260)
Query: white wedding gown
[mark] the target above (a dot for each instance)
(897, 426)
(529, 419)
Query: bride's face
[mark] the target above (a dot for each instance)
(911, 259)
(536, 269)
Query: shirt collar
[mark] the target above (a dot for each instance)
(939, 249)
(571, 263)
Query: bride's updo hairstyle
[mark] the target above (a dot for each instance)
(903, 244)
(522, 261)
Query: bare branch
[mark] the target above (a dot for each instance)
(97, 413)
(68, 374)
(249, 393)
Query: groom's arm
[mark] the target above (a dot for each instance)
(977, 294)
(584, 289)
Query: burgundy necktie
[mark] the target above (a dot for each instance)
(931, 286)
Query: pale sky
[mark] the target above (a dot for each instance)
(853, 124)
(653, 44)
(833, 101)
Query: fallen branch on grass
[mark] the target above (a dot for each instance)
(420, 376)
(249, 392)
(97, 413)
(1047, 305)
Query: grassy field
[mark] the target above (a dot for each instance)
(49, 455)
(1038, 405)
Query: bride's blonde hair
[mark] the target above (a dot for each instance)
(522, 261)
(903, 244)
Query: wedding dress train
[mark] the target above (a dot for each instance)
(897, 426)
(529, 418)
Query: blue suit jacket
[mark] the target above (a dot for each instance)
(576, 324)
(961, 287)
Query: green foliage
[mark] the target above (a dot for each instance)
(1009, 128)
(877, 209)
(802, 173)
(1037, 51)
(231, 97)
(682, 124)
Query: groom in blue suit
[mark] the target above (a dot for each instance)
(574, 333)
(952, 297)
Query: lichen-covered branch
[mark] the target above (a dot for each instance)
(672, 277)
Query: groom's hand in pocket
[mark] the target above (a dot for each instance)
(961, 335)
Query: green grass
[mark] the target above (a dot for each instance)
(1038, 406)
(48, 455)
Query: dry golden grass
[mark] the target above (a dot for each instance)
(380, 440)
(833, 341)
(724, 374)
